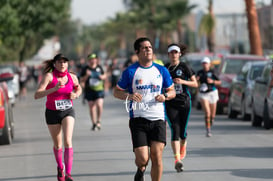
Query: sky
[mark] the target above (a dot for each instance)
(97, 11)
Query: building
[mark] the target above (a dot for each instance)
(231, 32)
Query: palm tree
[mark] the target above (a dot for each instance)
(207, 27)
(159, 16)
(253, 27)
(176, 11)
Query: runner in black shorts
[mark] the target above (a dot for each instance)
(142, 84)
(60, 88)
(179, 108)
(92, 77)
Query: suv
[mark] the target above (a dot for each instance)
(240, 100)
(230, 66)
(263, 98)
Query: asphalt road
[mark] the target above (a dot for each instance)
(236, 152)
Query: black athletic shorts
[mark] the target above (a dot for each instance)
(143, 131)
(93, 95)
(56, 116)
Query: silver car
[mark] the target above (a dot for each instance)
(240, 101)
(262, 113)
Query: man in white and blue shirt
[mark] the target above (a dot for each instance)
(146, 85)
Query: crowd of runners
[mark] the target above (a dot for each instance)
(142, 79)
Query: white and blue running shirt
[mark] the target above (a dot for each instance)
(149, 82)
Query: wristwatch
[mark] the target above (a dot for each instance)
(165, 94)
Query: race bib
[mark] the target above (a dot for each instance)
(116, 72)
(63, 104)
(203, 87)
(94, 82)
(178, 88)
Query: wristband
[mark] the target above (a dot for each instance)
(127, 97)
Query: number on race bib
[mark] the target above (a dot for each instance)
(178, 88)
(63, 104)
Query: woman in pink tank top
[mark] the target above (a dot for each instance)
(60, 87)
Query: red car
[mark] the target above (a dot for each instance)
(6, 114)
(230, 66)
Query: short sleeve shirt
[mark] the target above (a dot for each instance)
(93, 83)
(204, 85)
(149, 82)
(184, 72)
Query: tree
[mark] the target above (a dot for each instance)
(207, 27)
(156, 19)
(177, 10)
(159, 16)
(27, 23)
(253, 28)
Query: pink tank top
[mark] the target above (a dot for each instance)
(60, 99)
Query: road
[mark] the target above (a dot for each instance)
(236, 152)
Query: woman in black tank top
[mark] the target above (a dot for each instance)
(178, 109)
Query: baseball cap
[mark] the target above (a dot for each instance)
(205, 60)
(60, 57)
(174, 47)
(91, 56)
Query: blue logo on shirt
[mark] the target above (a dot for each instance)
(153, 88)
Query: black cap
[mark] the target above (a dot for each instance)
(60, 57)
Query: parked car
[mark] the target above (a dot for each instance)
(240, 100)
(13, 85)
(194, 61)
(6, 113)
(230, 66)
(263, 99)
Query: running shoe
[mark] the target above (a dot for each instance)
(178, 166)
(60, 174)
(98, 126)
(68, 178)
(208, 132)
(183, 151)
(94, 127)
(139, 176)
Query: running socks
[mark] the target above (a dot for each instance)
(207, 121)
(183, 150)
(211, 120)
(177, 156)
(68, 160)
(58, 156)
